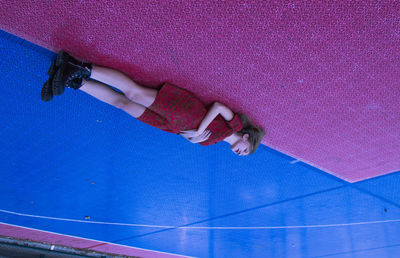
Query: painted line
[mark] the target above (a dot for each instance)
(195, 228)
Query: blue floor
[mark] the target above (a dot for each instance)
(78, 158)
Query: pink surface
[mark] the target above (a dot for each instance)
(76, 242)
(322, 78)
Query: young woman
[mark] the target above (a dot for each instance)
(170, 108)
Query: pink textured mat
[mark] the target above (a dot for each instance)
(77, 242)
(321, 77)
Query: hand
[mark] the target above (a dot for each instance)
(190, 133)
(195, 136)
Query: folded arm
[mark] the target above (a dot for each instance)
(199, 134)
(216, 109)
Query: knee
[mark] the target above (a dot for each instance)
(121, 103)
(133, 95)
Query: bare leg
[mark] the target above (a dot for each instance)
(133, 91)
(110, 96)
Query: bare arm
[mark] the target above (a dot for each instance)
(199, 134)
(216, 109)
(225, 112)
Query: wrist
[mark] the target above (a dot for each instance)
(199, 131)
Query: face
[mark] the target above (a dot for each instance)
(242, 146)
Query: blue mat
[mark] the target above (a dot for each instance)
(78, 158)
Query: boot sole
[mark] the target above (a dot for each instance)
(46, 93)
(57, 85)
(53, 68)
(62, 57)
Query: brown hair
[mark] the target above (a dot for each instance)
(255, 133)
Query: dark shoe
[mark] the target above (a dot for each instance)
(47, 89)
(47, 92)
(64, 57)
(70, 75)
(53, 68)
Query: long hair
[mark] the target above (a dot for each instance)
(255, 133)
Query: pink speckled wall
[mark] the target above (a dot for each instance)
(321, 77)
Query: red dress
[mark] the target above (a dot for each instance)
(176, 109)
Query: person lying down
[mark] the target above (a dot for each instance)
(169, 108)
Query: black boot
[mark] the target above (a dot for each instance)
(64, 57)
(70, 75)
(47, 91)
